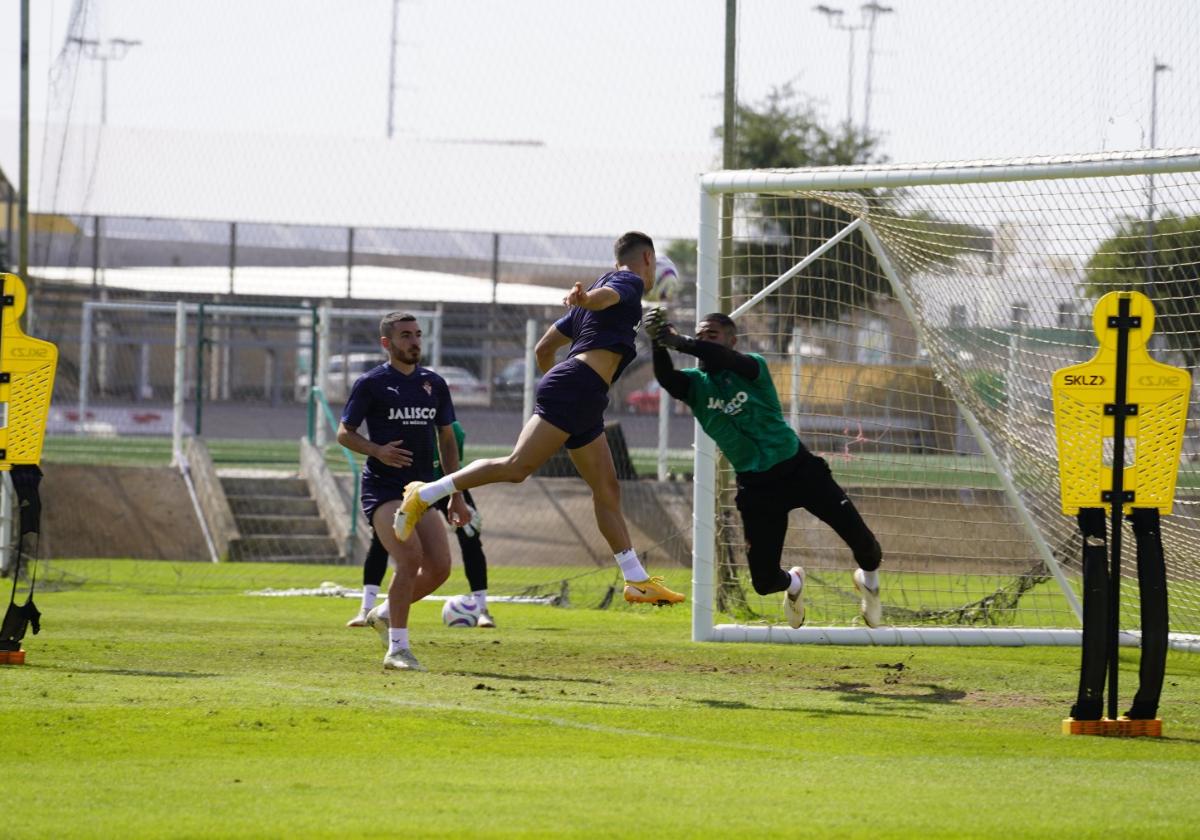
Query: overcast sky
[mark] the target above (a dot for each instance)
(953, 79)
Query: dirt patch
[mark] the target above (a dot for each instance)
(141, 513)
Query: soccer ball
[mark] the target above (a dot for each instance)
(461, 611)
(666, 281)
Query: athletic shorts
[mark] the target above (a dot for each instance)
(572, 397)
(372, 494)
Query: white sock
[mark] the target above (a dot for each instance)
(481, 597)
(370, 593)
(382, 610)
(398, 639)
(631, 566)
(797, 583)
(435, 490)
(871, 579)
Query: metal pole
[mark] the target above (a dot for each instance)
(349, 263)
(530, 363)
(1119, 410)
(850, 80)
(232, 253)
(392, 70)
(199, 368)
(85, 361)
(97, 234)
(320, 434)
(723, 291)
(180, 381)
(1150, 258)
(23, 176)
(873, 10)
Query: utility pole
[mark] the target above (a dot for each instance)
(114, 49)
(837, 19)
(1150, 261)
(23, 165)
(729, 143)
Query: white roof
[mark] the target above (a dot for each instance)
(510, 188)
(368, 283)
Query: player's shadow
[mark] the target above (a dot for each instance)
(137, 672)
(864, 692)
(738, 705)
(527, 677)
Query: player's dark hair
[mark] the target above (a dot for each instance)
(388, 322)
(722, 319)
(630, 243)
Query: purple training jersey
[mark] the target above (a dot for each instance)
(613, 328)
(407, 408)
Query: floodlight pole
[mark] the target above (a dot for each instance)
(114, 49)
(1158, 68)
(871, 11)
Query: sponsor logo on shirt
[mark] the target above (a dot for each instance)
(414, 413)
(734, 406)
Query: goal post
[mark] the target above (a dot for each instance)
(912, 317)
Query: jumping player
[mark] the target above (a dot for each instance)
(470, 545)
(403, 403)
(571, 398)
(735, 402)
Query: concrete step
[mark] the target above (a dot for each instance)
(279, 486)
(258, 525)
(272, 506)
(276, 549)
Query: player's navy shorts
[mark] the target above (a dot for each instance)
(572, 397)
(374, 493)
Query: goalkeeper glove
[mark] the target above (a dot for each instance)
(661, 331)
(473, 526)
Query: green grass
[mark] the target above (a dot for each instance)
(160, 701)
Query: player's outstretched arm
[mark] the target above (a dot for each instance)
(593, 300)
(715, 356)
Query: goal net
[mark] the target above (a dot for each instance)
(912, 317)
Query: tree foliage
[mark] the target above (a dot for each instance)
(1123, 262)
(786, 132)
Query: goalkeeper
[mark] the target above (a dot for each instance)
(470, 544)
(734, 400)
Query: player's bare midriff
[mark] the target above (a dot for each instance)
(604, 362)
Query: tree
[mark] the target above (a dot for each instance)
(785, 131)
(1122, 262)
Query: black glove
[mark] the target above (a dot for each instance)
(661, 331)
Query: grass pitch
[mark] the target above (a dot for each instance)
(159, 700)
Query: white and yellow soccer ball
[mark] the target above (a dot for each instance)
(666, 282)
(461, 611)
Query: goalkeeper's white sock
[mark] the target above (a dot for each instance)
(435, 490)
(370, 594)
(397, 639)
(481, 597)
(871, 579)
(797, 583)
(631, 566)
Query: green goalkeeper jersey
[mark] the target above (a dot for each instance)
(460, 437)
(743, 416)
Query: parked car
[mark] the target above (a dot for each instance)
(645, 400)
(465, 387)
(344, 371)
(509, 384)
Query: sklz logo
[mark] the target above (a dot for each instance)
(1083, 379)
(410, 413)
(1150, 381)
(734, 406)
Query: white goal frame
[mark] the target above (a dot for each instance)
(713, 188)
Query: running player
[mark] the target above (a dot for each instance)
(403, 403)
(571, 399)
(734, 400)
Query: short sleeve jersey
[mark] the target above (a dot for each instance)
(743, 416)
(613, 328)
(404, 407)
